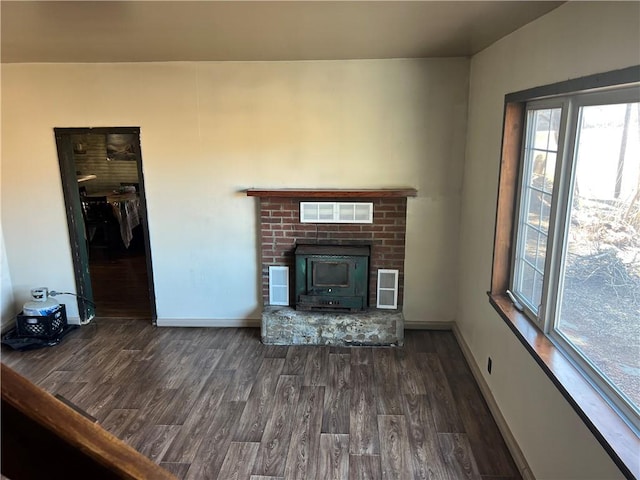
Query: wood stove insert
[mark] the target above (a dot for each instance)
(332, 277)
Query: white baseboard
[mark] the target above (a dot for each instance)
(208, 322)
(512, 444)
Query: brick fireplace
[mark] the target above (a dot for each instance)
(281, 231)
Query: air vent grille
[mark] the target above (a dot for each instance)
(278, 285)
(336, 212)
(387, 289)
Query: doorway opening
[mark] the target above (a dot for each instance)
(101, 170)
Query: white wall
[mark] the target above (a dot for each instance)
(7, 304)
(210, 130)
(577, 39)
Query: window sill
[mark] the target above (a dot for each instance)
(615, 436)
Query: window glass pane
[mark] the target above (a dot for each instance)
(531, 246)
(535, 248)
(535, 206)
(526, 286)
(546, 124)
(545, 212)
(539, 168)
(599, 312)
(537, 287)
(550, 168)
(540, 151)
(542, 252)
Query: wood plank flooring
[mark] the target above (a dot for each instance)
(211, 403)
(120, 284)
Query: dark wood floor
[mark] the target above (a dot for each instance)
(217, 403)
(120, 283)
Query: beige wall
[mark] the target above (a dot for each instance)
(6, 289)
(210, 130)
(575, 40)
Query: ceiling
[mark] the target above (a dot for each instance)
(146, 31)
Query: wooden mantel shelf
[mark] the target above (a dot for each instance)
(332, 193)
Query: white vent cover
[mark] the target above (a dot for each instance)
(278, 285)
(387, 289)
(336, 212)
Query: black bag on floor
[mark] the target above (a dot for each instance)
(21, 343)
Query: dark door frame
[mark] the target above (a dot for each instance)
(73, 208)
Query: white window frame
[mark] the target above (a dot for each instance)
(546, 315)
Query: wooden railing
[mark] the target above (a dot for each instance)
(42, 437)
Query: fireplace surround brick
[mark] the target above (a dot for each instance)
(281, 230)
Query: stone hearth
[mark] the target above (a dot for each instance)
(287, 326)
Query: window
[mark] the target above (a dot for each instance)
(587, 295)
(567, 244)
(536, 194)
